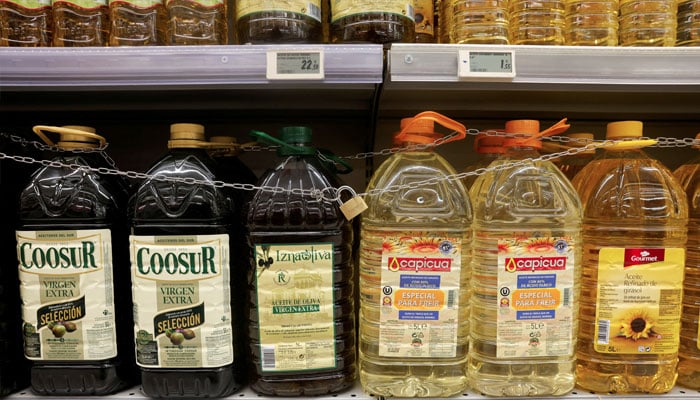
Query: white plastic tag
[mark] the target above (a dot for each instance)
(486, 65)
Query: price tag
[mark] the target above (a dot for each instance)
(303, 64)
(486, 65)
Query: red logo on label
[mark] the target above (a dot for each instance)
(420, 264)
(532, 264)
(643, 256)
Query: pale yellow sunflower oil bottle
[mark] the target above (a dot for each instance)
(525, 271)
(414, 271)
(635, 216)
(688, 175)
(488, 148)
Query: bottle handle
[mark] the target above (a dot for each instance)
(39, 130)
(442, 120)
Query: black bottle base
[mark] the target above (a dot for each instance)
(189, 383)
(76, 380)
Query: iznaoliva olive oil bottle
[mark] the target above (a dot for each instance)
(525, 271)
(301, 278)
(187, 300)
(72, 248)
(634, 232)
(414, 271)
(688, 175)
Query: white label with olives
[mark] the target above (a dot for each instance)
(67, 290)
(182, 301)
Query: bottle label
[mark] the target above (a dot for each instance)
(309, 8)
(535, 297)
(142, 4)
(294, 286)
(203, 3)
(31, 4)
(638, 308)
(424, 17)
(84, 4)
(182, 301)
(420, 281)
(343, 8)
(67, 291)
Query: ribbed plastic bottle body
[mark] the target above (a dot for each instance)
(60, 209)
(80, 23)
(444, 10)
(284, 229)
(537, 22)
(480, 22)
(137, 23)
(279, 21)
(688, 23)
(400, 354)
(176, 220)
(483, 161)
(648, 22)
(523, 214)
(424, 19)
(634, 208)
(688, 176)
(25, 25)
(592, 22)
(370, 21)
(195, 22)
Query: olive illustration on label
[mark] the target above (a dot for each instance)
(188, 334)
(70, 326)
(177, 338)
(59, 330)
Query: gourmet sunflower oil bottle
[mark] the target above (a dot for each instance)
(688, 175)
(187, 301)
(525, 271)
(72, 249)
(537, 22)
(389, 21)
(80, 23)
(488, 148)
(137, 22)
(414, 271)
(648, 22)
(25, 23)
(480, 21)
(302, 309)
(279, 21)
(592, 22)
(635, 216)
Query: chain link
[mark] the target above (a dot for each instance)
(333, 194)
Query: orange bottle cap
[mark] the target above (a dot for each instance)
(421, 128)
(488, 144)
(529, 132)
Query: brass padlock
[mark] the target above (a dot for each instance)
(353, 207)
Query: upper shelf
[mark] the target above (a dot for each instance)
(584, 81)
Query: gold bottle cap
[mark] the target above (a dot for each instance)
(185, 135)
(624, 129)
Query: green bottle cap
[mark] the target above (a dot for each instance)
(296, 134)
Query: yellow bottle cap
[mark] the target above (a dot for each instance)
(624, 129)
(185, 135)
(70, 140)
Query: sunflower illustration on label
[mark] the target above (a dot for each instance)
(639, 300)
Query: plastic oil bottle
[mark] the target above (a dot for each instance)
(72, 250)
(424, 18)
(80, 23)
(592, 22)
(688, 175)
(14, 367)
(25, 23)
(187, 309)
(137, 22)
(648, 22)
(279, 21)
(302, 309)
(635, 214)
(414, 271)
(537, 22)
(525, 271)
(571, 164)
(444, 11)
(688, 23)
(196, 22)
(372, 21)
(483, 21)
(488, 148)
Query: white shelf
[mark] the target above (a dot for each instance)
(550, 81)
(356, 393)
(40, 69)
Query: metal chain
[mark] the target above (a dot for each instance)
(333, 194)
